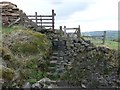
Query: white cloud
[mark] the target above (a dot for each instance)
(103, 15)
(93, 15)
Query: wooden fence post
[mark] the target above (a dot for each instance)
(104, 37)
(41, 21)
(36, 17)
(53, 14)
(78, 33)
(65, 31)
(60, 31)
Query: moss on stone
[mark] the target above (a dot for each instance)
(7, 73)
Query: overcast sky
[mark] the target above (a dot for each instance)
(91, 15)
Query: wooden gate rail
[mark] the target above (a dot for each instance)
(44, 21)
(103, 37)
(41, 21)
(77, 31)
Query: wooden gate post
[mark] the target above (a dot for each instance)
(40, 21)
(53, 18)
(78, 33)
(104, 37)
(60, 31)
(65, 31)
(36, 17)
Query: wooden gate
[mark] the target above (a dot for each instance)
(77, 31)
(42, 21)
(97, 39)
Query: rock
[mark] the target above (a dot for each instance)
(9, 12)
(54, 58)
(86, 45)
(61, 53)
(68, 48)
(88, 41)
(27, 85)
(37, 85)
(61, 58)
(83, 86)
(76, 44)
(71, 45)
(52, 86)
(74, 54)
(45, 81)
(1, 81)
(53, 62)
(75, 48)
(55, 54)
(90, 48)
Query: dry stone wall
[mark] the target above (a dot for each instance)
(91, 66)
(9, 12)
(81, 64)
(12, 15)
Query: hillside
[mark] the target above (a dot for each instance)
(24, 54)
(109, 34)
(30, 60)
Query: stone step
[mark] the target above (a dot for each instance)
(51, 68)
(65, 63)
(61, 58)
(58, 64)
(53, 62)
(58, 61)
(53, 57)
(69, 67)
(54, 53)
(62, 61)
(62, 53)
(50, 73)
(69, 63)
(60, 69)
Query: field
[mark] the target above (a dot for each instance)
(108, 43)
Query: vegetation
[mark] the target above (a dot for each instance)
(109, 34)
(25, 54)
(112, 39)
(112, 44)
(89, 65)
(108, 43)
(6, 30)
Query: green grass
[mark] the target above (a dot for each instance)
(109, 43)
(28, 55)
(8, 30)
(112, 44)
